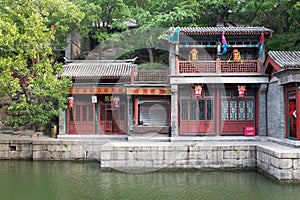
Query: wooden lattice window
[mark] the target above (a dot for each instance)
(205, 109)
(235, 108)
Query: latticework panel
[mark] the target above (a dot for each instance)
(240, 67)
(197, 67)
(151, 76)
(205, 67)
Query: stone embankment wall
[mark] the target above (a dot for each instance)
(280, 162)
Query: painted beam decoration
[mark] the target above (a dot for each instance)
(106, 90)
(109, 90)
(149, 91)
(172, 38)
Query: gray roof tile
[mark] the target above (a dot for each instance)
(94, 70)
(218, 30)
(286, 59)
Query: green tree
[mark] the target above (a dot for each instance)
(103, 17)
(29, 74)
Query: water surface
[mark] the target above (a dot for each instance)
(43, 180)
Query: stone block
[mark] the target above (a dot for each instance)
(296, 164)
(195, 164)
(236, 154)
(266, 158)
(162, 164)
(25, 154)
(296, 175)
(289, 155)
(259, 156)
(285, 163)
(286, 174)
(138, 164)
(264, 166)
(114, 164)
(41, 155)
(275, 162)
(214, 155)
(106, 155)
(273, 171)
(197, 155)
(93, 155)
(158, 155)
(37, 147)
(249, 163)
(169, 155)
(182, 164)
(74, 155)
(118, 155)
(4, 147)
(231, 163)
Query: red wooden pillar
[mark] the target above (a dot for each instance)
(132, 76)
(218, 108)
(177, 66)
(136, 110)
(298, 114)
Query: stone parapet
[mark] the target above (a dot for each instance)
(278, 161)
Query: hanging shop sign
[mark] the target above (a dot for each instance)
(94, 99)
(116, 102)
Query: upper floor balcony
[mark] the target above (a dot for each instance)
(218, 67)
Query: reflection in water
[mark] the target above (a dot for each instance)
(77, 180)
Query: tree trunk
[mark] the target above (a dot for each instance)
(150, 52)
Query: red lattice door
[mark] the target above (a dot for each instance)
(81, 118)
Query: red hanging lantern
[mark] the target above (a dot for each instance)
(242, 90)
(70, 102)
(198, 91)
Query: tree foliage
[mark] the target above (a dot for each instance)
(282, 16)
(30, 32)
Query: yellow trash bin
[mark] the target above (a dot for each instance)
(53, 131)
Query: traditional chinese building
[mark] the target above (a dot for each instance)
(283, 96)
(217, 80)
(215, 85)
(114, 98)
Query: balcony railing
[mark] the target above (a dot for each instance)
(152, 76)
(225, 67)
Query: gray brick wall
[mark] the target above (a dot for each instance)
(262, 118)
(275, 110)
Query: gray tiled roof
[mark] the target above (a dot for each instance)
(286, 59)
(228, 30)
(94, 70)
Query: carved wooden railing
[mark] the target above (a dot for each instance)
(152, 76)
(224, 67)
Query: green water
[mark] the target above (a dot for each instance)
(76, 180)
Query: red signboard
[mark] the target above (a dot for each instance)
(249, 131)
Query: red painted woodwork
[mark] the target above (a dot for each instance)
(194, 122)
(298, 118)
(81, 118)
(111, 120)
(196, 67)
(235, 126)
(197, 127)
(290, 89)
